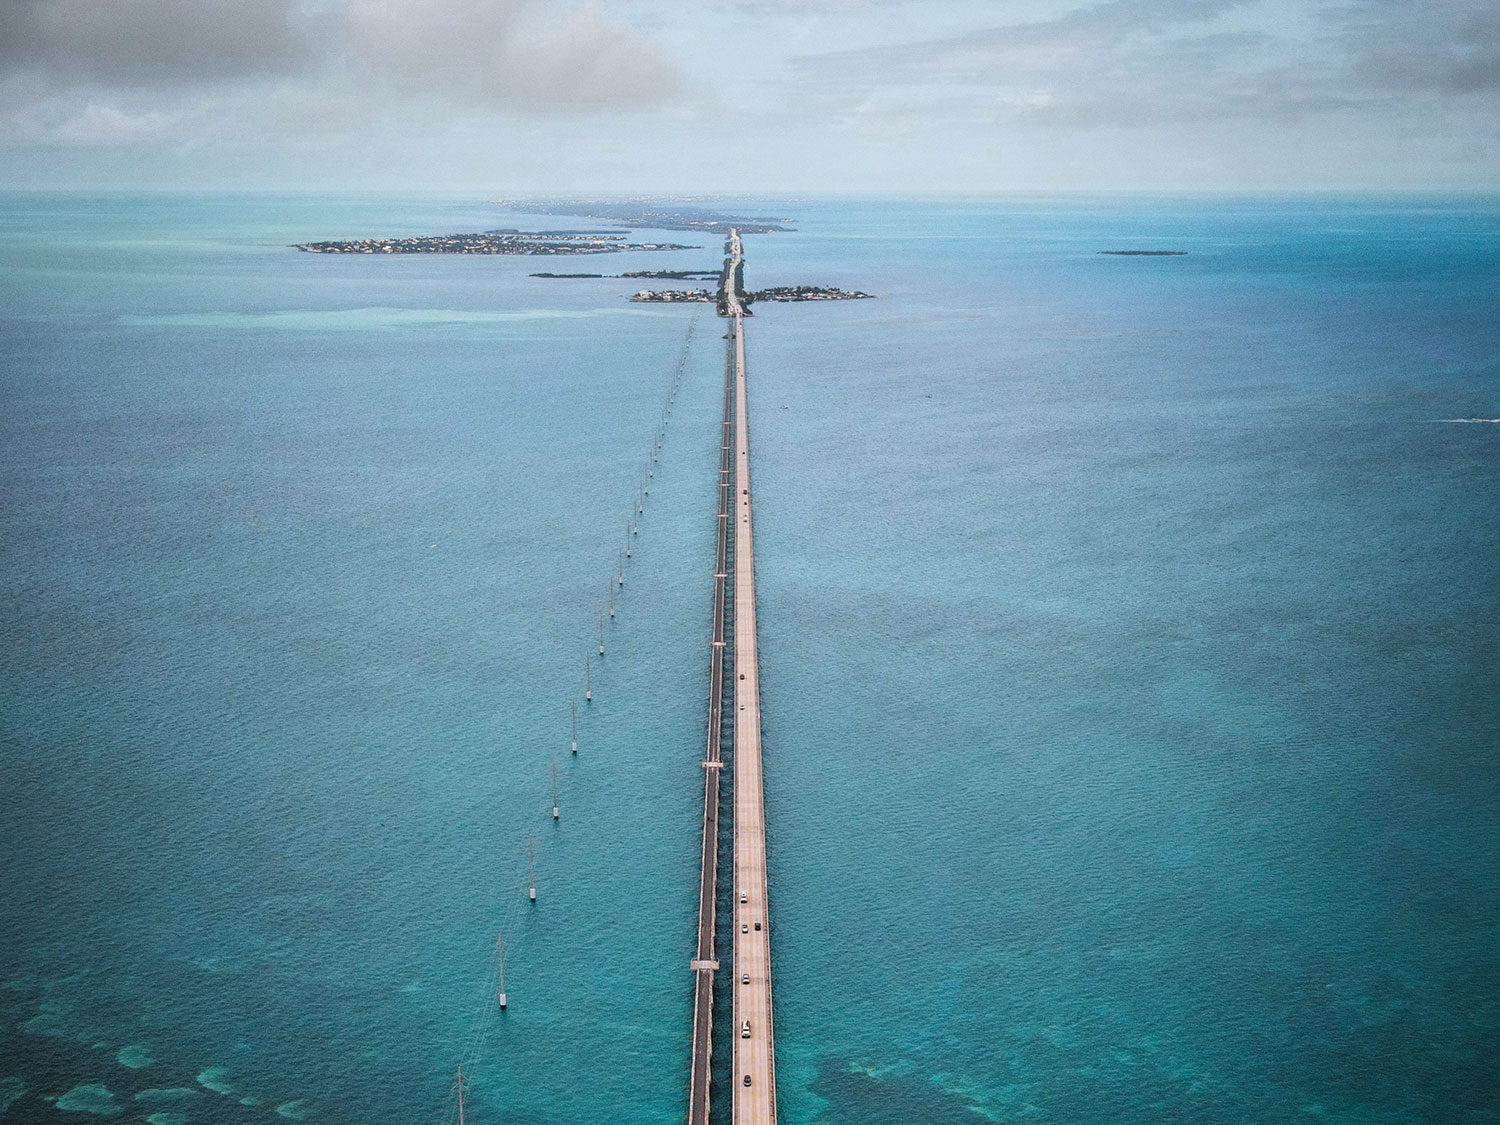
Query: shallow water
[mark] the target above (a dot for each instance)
(1128, 647)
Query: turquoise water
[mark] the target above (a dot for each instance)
(1129, 657)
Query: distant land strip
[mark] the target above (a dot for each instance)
(663, 275)
(1145, 253)
(667, 215)
(491, 242)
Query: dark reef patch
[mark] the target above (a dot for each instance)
(856, 1097)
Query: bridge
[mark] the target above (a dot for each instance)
(753, 1066)
(754, 1072)
(704, 964)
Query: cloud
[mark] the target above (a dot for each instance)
(81, 60)
(1131, 63)
(32, 114)
(1000, 54)
(156, 43)
(512, 53)
(105, 125)
(1443, 47)
(1119, 63)
(581, 94)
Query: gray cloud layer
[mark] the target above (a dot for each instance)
(1130, 62)
(78, 71)
(516, 53)
(156, 42)
(594, 93)
(1445, 46)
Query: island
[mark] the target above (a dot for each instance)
(493, 242)
(806, 293)
(679, 216)
(672, 296)
(776, 293)
(1145, 253)
(658, 275)
(674, 275)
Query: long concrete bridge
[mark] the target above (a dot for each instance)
(704, 964)
(752, 1072)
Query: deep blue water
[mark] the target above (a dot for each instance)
(1130, 642)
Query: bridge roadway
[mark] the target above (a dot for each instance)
(754, 1057)
(704, 964)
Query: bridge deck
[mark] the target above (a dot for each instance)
(704, 963)
(754, 1057)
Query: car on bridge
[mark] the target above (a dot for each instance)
(745, 1030)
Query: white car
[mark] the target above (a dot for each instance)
(744, 896)
(745, 1030)
(744, 927)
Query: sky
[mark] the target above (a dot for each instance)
(751, 96)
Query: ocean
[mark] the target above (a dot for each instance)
(1129, 640)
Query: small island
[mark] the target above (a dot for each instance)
(806, 293)
(657, 275)
(776, 293)
(672, 296)
(674, 275)
(1145, 253)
